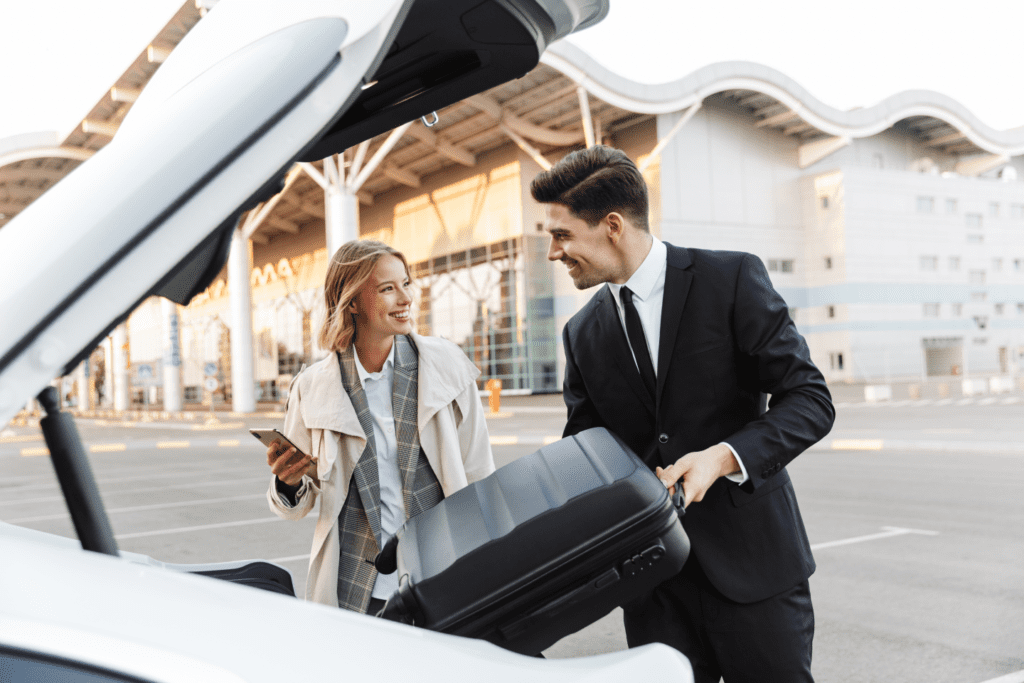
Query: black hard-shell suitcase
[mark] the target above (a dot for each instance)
(541, 548)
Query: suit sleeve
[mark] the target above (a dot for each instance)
(800, 412)
(581, 412)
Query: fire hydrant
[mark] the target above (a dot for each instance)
(494, 386)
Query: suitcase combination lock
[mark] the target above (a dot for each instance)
(643, 560)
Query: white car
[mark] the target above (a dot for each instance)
(255, 86)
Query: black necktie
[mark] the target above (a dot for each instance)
(637, 339)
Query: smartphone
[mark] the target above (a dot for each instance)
(267, 436)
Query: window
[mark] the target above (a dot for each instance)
(925, 204)
(1020, 308)
(1017, 211)
(981, 321)
(831, 311)
(993, 209)
(977, 277)
(979, 297)
(931, 310)
(835, 360)
(824, 202)
(773, 265)
(958, 310)
(828, 263)
(973, 220)
(1000, 308)
(980, 341)
(786, 266)
(1018, 264)
(929, 263)
(975, 239)
(950, 206)
(997, 264)
(954, 263)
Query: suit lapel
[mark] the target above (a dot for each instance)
(365, 475)
(610, 328)
(677, 286)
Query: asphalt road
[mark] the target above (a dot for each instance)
(913, 510)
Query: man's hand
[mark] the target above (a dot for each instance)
(698, 471)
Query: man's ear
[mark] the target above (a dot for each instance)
(615, 226)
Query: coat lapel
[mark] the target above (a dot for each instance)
(677, 286)
(403, 404)
(610, 328)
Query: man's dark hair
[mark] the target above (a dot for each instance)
(593, 183)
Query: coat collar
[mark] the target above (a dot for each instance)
(442, 375)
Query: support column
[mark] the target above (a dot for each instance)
(243, 394)
(119, 341)
(83, 385)
(172, 356)
(342, 217)
(108, 372)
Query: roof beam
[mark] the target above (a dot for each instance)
(522, 127)
(401, 175)
(778, 119)
(945, 139)
(813, 152)
(365, 198)
(122, 94)
(975, 166)
(252, 222)
(439, 145)
(750, 99)
(282, 224)
(527, 147)
(798, 127)
(157, 55)
(94, 127)
(11, 208)
(76, 153)
(656, 152)
(588, 121)
(378, 157)
(31, 174)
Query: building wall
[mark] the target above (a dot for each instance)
(850, 224)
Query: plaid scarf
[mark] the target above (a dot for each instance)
(359, 520)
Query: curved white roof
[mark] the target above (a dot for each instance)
(781, 93)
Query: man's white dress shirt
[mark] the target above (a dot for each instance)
(379, 387)
(648, 287)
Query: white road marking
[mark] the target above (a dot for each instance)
(201, 527)
(1010, 401)
(504, 440)
(857, 444)
(944, 402)
(142, 508)
(293, 558)
(965, 402)
(888, 532)
(129, 492)
(1015, 677)
(987, 401)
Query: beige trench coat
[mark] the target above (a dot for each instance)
(322, 421)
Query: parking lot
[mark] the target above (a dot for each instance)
(913, 509)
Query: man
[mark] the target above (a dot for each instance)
(675, 355)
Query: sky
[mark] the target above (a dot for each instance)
(59, 56)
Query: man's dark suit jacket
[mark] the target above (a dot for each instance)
(726, 341)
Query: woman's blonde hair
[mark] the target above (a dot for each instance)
(350, 268)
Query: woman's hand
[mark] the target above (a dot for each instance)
(289, 465)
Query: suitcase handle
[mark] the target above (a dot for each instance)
(678, 500)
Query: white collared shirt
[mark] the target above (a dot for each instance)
(648, 286)
(379, 389)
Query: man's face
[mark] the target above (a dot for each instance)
(587, 251)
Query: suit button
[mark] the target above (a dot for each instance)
(663, 438)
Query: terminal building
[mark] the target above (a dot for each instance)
(894, 232)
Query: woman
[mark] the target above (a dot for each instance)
(386, 426)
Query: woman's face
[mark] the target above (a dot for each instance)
(382, 306)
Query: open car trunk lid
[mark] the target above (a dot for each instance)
(255, 86)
